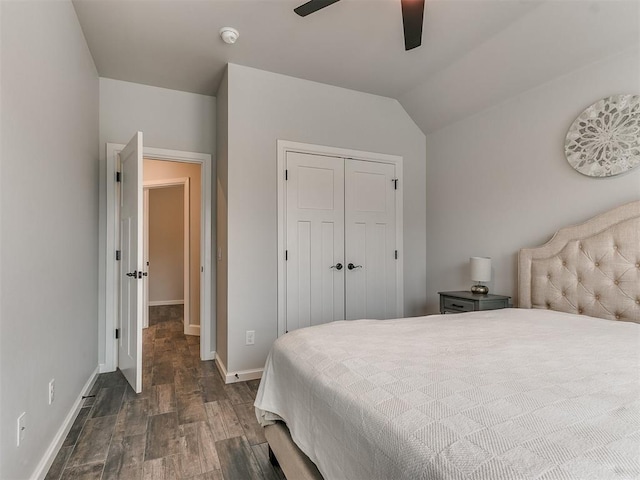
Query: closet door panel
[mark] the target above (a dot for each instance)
(370, 240)
(314, 240)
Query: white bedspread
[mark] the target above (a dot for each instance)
(504, 394)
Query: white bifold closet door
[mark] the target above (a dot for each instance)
(340, 240)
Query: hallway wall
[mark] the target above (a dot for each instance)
(166, 245)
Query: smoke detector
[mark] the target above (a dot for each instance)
(229, 35)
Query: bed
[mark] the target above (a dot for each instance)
(549, 390)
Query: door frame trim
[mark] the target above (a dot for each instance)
(145, 253)
(186, 251)
(285, 146)
(207, 323)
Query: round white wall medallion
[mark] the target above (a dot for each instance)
(605, 139)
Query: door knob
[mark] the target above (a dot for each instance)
(133, 274)
(337, 266)
(351, 266)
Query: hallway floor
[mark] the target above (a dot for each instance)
(186, 423)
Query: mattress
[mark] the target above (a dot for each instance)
(502, 394)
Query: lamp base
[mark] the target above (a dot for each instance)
(480, 289)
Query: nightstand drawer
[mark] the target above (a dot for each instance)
(465, 301)
(458, 304)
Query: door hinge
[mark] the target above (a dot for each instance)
(117, 333)
(395, 183)
(396, 254)
(286, 255)
(117, 254)
(286, 174)
(118, 177)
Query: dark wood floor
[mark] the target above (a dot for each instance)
(186, 423)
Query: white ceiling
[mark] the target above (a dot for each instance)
(474, 52)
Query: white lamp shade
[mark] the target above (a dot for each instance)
(480, 269)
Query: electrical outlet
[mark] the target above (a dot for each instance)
(22, 427)
(251, 337)
(52, 390)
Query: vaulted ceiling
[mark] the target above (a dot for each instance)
(474, 53)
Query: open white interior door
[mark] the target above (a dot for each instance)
(131, 265)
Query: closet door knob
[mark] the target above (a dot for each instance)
(337, 266)
(351, 266)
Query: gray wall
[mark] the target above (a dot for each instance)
(262, 108)
(49, 230)
(499, 181)
(168, 119)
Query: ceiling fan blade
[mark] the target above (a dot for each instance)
(313, 6)
(412, 15)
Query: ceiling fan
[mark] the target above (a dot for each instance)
(412, 13)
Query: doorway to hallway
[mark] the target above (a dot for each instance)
(172, 236)
(199, 302)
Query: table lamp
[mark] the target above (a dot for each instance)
(480, 272)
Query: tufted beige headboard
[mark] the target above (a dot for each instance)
(591, 269)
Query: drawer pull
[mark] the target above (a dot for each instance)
(457, 306)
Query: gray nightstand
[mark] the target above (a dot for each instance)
(456, 302)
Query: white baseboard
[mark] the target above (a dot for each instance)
(244, 375)
(221, 368)
(157, 303)
(50, 455)
(192, 330)
(239, 376)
